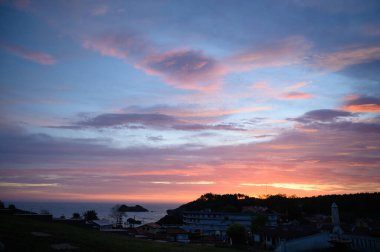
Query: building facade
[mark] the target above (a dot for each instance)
(214, 223)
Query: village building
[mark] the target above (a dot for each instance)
(338, 237)
(148, 230)
(207, 223)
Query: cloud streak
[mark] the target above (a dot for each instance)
(289, 51)
(365, 104)
(297, 96)
(125, 46)
(194, 69)
(294, 162)
(10, 184)
(193, 112)
(151, 120)
(37, 57)
(336, 61)
(294, 186)
(322, 115)
(188, 69)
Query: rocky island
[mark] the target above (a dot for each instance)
(136, 208)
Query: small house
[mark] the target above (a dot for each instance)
(176, 234)
(149, 229)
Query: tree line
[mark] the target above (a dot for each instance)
(350, 205)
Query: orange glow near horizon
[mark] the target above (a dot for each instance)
(169, 194)
(129, 111)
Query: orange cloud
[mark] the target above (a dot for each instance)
(363, 104)
(195, 114)
(369, 108)
(295, 162)
(281, 146)
(296, 186)
(297, 96)
(261, 85)
(264, 89)
(306, 130)
(351, 97)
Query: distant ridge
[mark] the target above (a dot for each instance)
(350, 205)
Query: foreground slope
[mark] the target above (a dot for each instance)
(21, 234)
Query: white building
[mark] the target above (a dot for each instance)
(214, 223)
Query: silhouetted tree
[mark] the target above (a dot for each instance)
(12, 207)
(117, 214)
(90, 215)
(230, 208)
(237, 233)
(171, 220)
(76, 216)
(1, 205)
(351, 206)
(258, 222)
(132, 222)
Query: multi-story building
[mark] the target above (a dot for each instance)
(214, 223)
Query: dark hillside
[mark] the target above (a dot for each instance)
(350, 205)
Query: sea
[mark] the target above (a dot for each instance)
(103, 209)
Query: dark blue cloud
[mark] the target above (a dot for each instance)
(138, 121)
(322, 115)
(109, 120)
(363, 100)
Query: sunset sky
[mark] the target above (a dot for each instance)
(166, 100)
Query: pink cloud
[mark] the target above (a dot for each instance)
(336, 61)
(295, 162)
(351, 97)
(292, 50)
(265, 90)
(297, 96)
(118, 45)
(261, 85)
(187, 69)
(298, 85)
(194, 69)
(38, 57)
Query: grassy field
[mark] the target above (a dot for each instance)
(21, 234)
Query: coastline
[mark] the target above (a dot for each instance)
(155, 210)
